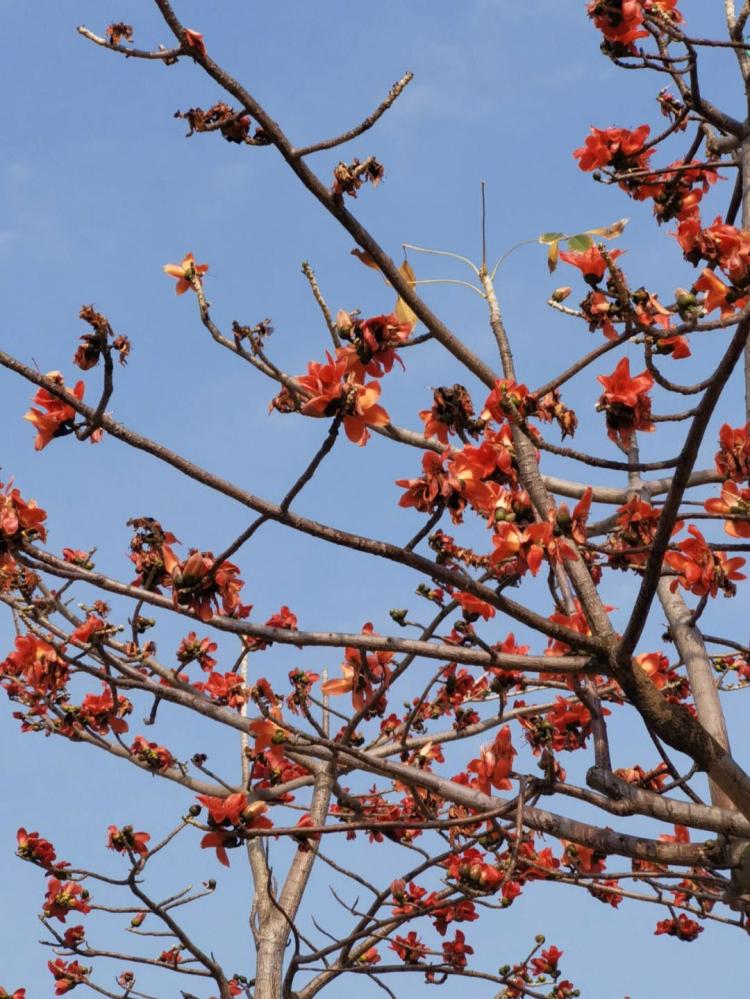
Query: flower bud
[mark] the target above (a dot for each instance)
(560, 294)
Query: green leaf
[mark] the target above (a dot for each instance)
(580, 242)
(551, 237)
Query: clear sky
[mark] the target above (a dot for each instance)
(99, 188)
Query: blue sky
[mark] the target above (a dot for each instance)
(99, 189)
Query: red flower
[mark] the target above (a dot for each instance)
(626, 402)
(620, 21)
(361, 673)
(172, 957)
(616, 146)
(590, 263)
(67, 975)
(38, 663)
(74, 936)
(155, 757)
(188, 271)
(547, 963)
(734, 501)
(33, 848)
(198, 584)
(682, 927)
(716, 293)
(474, 607)
(455, 951)
(62, 898)
(58, 420)
(495, 763)
(237, 811)
(733, 457)
(331, 392)
(126, 838)
(507, 400)
(196, 649)
(82, 634)
(702, 570)
(364, 412)
(410, 948)
(18, 516)
(374, 342)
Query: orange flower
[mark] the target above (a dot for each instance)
(58, 420)
(374, 343)
(616, 146)
(733, 457)
(590, 263)
(474, 607)
(330, 392)
(188, 271)
(197, 584)
(361, 673)
(733, 501)
(365, 413)
(701, 570)
(716, 293)
(18, 515)
(626, 402)
(495, 763)
(234, 810)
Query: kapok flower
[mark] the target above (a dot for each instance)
(616, 146)
(58, 420)
(84, 632)
(18, 515)
(716, 293)
(733, 457)
(735, 502)
(701, 570)
(126, 838)
(626, 402)
(36, 849)
(62, 898)
(474, 607)
(234, 811)
(620, 21)
(681, 927)
(374, 343)
(547, 963)
(332, 392)
(198, 584)
(495, 763)
(590, 263)
(365, 412)
(67, 975)
(361, 673)
(149, 753)
(188, 271)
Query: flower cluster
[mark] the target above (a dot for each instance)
(202, 586)
(700, 569)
